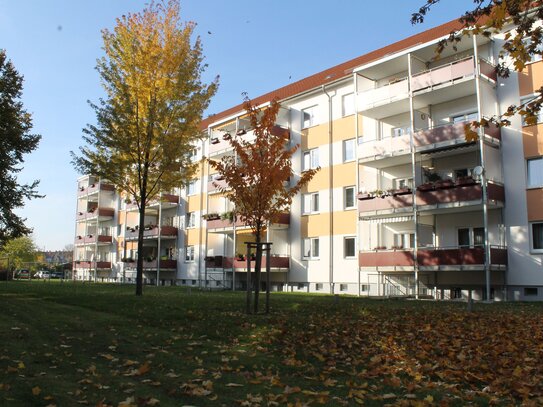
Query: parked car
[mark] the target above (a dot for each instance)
(57, 274)
(23, 274)
(42, 274)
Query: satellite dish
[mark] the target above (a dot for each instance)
(477, 171)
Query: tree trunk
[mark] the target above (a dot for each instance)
(139, 264)
(248, 299)
(258, 264)
(268, 259)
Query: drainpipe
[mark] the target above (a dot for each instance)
(414, 174)
(484, 186)
(357, 188)
(330, 189)
(201, 222)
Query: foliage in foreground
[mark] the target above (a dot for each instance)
(71, 344)
(16, 140)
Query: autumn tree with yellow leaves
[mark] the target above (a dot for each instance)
(148, 121)
(259, 178)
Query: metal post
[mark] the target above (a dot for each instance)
(268, 261)
(483, 175)
(248, 305)
(414, 175)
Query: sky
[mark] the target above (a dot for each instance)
(254, 46)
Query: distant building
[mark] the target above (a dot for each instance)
(55, 258)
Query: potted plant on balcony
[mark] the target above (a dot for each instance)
(240, 257)
(127, 260)
(229, 215)
(380, 248)
(214, 140)
(427, 186)
(400, 191)
(211, 216)
(149, 259)
(226, 136)
(444, 183)
(364, 195)
(379, 193)
(465, 181)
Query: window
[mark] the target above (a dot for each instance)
(401, 131)
(364, 287)
(190, 221)
(311, 159)
(535, 172)
(348, 149)
(308, 117)
(403, 183)
(404, 240)
(530, 291)
(348, 198)
(343, 287)
(536, 56)
(311, 203)
(469, 237)
(189, 253)
(301, 286)
(347, 104)
(349, 247)
(311, 248)
(193, 282)
(191, 187)
(193, 154)
(536, 234)
(466, 117)
(318, 286)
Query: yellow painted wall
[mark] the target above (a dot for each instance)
(344, 175)
(345, 222)
(193, 237)
(534, 202)
(530, 78)
(532, 137)
(343, 129)
(194, 202)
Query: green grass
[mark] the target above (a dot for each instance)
(74, 344)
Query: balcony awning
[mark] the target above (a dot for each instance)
(390, 219)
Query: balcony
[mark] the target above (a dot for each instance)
(394, 91)
(443, 136)
(219, 224)
(168, 201)
(91, 265)
(100, 239)
(433, 257)
(96, 214)
(151, 232)
(219, 143)
(94, 188)
(216, 185)
(442, 75)
(441, 194)
(169, 264)
(384, 148)
(277, 263)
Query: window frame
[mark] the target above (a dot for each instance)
(353, 149)
(532, 248)
(313, 159)
(190, 220)
(190, 258)
(471, 236)
(353, 206)
(539, 114)
(311, 242)
(311, 111)
(528, 172)
(191, 187)
(345, 255)
(344, 112)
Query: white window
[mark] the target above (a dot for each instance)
(404, 240)
(401, 131)
(190, 220)
(311, 159)
(536, 236)
(348, 149)
(311, 203)
(466, 117)
(347, 104)
(469, 237)
(311, 248)
(348, 198)
(537, 55)
(403, 183)
(308, 117)
(343, 287)
(189, 253)
(193, 154)
(349, 247)
(191, 188)
(535, 172)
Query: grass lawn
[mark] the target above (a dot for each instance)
(69, 344)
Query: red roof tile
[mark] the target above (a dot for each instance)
(340, 71)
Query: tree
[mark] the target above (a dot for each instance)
(257, 176)
(19, 250)
(149, 120)
(16, 140)
(520, 45)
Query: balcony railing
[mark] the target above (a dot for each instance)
(169, 264)
(95, 187)
(433, 257)
(151, 232)
(216, 185)
(388, 146)
(92, 239)
(276, 262)
(443, 74)
(219, 142)
(394, 91)
(100, 265)
(454, 133)
(431, 194)
(168, 200)
(101, 213)
(284, 219)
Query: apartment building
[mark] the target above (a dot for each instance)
(403, 205)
